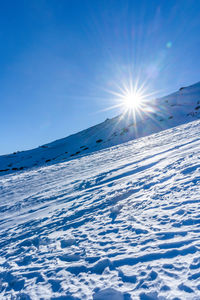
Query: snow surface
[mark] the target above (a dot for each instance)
(164, 113)
(120, 223)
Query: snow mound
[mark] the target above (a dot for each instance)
(108, 294)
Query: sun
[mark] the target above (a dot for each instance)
(133, 97)
(132, 100)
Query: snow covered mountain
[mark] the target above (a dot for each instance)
(121, 223)
(164, 113)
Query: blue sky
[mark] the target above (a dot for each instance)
(60, 60)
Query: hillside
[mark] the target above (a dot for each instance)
(120, 223)
(160, 114)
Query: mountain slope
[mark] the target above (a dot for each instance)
(121, 223)
(178, 108)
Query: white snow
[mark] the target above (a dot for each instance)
(120, 223)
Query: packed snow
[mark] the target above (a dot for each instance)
(157, 114)
(120, 223)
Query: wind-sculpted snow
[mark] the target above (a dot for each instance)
(121, 223)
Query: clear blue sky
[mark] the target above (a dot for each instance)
(60, 58)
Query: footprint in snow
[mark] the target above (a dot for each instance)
(67, 243)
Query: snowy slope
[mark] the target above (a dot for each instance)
(121, 223)
(178, 108)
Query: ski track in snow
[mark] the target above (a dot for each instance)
(121, 223)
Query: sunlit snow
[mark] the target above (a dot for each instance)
(120, 223)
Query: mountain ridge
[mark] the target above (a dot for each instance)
(158, 114)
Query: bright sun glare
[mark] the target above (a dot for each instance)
(132, 100)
